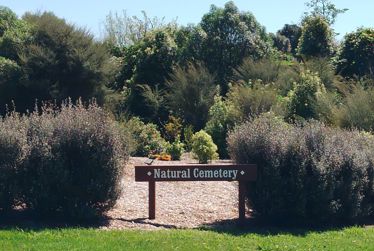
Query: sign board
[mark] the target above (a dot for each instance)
(197, 172)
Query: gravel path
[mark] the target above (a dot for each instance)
(178, 204)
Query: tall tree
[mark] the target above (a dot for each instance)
(356, 56)
(228, 37)
(316, 38)
(293, 33)
(191, 92)
(325, 9)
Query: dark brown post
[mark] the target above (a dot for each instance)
(242, 190)
(152, 200)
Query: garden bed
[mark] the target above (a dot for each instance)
(178, 204)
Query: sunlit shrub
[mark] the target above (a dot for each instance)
(203, 147)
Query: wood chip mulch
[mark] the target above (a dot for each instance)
(178, 204)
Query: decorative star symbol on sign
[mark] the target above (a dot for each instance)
(242, 172)
(149, 173)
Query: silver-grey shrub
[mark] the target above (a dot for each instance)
(13, 152)
(66, 161)
(309, 173)
(75, 164)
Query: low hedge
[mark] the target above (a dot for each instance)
(308, 172)
(73, 164)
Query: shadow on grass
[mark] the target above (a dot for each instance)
(26, 220)
(253, 226)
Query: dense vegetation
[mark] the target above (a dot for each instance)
(307, 173)
(65, 161)
(174, 88)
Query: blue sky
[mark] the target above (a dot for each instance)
(273, 14)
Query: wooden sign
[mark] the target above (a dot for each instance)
(196, 172)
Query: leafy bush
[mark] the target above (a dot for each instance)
(203, 147)
(250, 100)
(13, 153)
(146, 138)
(356, 54)
(75, 163)
(310, 173)
(175, 149)
(221, 120)
(357, 110)
(187, 137)
(316, 38)
(266, 70)
(191, 94)
(302, 99)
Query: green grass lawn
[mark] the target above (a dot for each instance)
(353, 238)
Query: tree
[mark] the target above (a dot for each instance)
(191, 94)
(62, 61)
(229, 36)
(316, 38)
(122, 30)
(356, 56)
(145, 68)
(293, 33)
(325, 9)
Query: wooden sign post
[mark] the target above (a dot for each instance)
(195, 172)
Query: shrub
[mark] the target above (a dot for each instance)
(357, 110)
(221, 120)
(75, 163)
(187, 136)
(13, 153)
(250, 100)
(191, 94)
(266, 70)
(306, 173)
(145, 137)
(175, 149)
(303, 97)
(203, 147)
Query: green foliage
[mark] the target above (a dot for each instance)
(147, 63)
(173, 128)
(282, 43)
(311, 173)
(252, 99)
(325, 9)
(203, 147)
(146, 138)
(122, 30)
(316, 38)
(357, 110)
(14, 34)
(221, 120)
(356, 56)
(293, 33)
(229, 36)
(191, 92)
(187, 136)
(303, 97)
(266, 70)
(325, 70)
(175, 149)
(55, 60)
